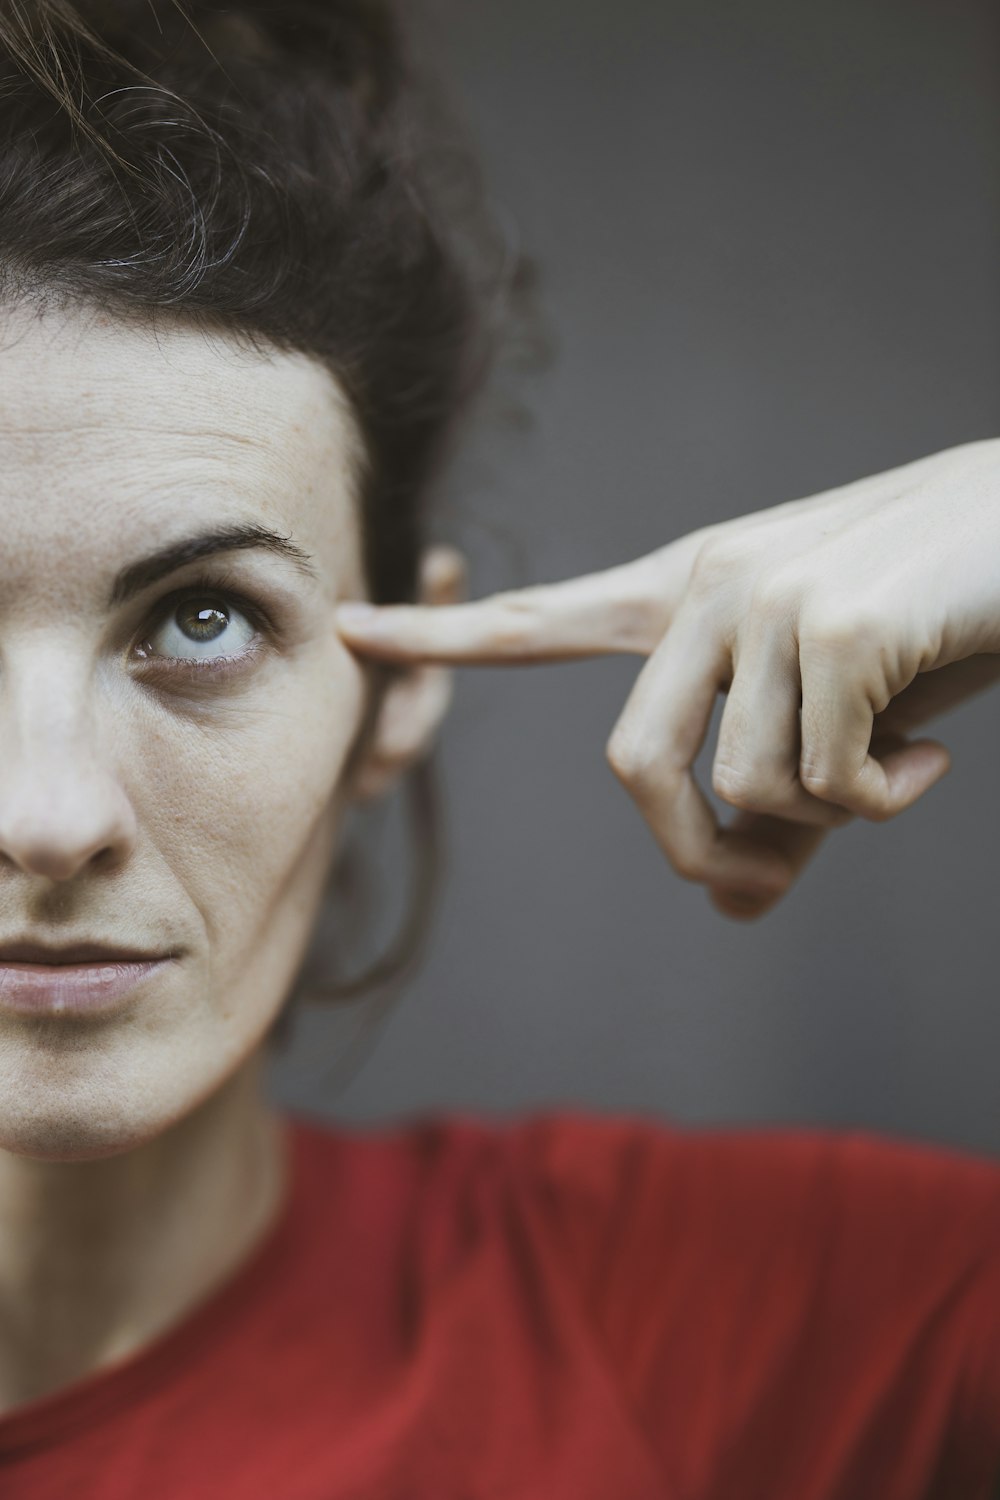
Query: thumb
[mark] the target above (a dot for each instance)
(911, 766)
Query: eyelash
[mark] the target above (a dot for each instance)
(218, 667)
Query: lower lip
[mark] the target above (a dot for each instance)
(93, 989)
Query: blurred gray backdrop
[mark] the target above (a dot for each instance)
(770, 239)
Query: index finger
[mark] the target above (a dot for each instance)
(620, 609)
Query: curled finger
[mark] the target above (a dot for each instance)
(756, 766)
(796, 842)
(841, 693)
(653, 748)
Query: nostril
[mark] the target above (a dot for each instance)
(49, 861)
(59, 843)
(107, 858)
(63, 811)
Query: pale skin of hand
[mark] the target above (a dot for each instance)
(834, 625)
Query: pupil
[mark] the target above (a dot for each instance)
(203, 623)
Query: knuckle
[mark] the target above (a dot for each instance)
(879, 814)
(717, 563)
(734, 786)
(686, 864)
(841, 631)
(628, 759)
(778, 595)
(639, 622)
(821, 782)
(516, 622)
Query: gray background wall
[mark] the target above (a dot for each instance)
(771, 241)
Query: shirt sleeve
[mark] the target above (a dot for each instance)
(817, 1313)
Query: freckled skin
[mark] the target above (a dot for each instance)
(148, 813)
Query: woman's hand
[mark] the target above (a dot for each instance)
(835, 625)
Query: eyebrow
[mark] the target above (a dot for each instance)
(131, 580)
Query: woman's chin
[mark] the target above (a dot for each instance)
(96, 1101)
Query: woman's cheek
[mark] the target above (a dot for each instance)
(240, 798)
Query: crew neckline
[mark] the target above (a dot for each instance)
(122, 1384)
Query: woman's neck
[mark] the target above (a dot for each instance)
(97, 1258)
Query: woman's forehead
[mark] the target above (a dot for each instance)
(112, 425)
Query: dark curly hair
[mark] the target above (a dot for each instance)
(261, 169)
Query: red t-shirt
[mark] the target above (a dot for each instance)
(568, 1306)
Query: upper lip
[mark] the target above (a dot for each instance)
(74, 953)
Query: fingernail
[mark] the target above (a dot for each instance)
(356, 613)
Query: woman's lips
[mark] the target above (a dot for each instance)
(93, 988)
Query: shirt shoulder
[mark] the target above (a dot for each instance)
(641, 1183)
(797, 1289)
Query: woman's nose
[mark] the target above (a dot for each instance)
(62, 806)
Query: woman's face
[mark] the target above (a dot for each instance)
(148, 800)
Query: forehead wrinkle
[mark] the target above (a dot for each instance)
(113, 471)
(111, 417)
(302, 445)
(118, 375)
(73, 429)
(114, 513)
(113, 367)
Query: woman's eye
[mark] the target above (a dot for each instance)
(200, 628)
